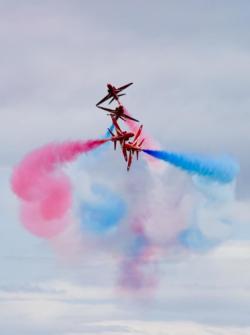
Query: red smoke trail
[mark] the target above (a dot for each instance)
(44, 190)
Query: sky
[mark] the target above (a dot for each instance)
(189, 62)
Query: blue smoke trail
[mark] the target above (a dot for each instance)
(193, 238)
(222, 169)
(104, 213)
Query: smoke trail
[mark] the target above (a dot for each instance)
(104, 213)
(44, 190)
(136, 273)
(222, 169)
(99, 151)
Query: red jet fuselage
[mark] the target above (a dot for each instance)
(119, 113)
(130, 148)
(114, 93)
(122, 138)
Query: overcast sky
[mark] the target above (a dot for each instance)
(190, 64)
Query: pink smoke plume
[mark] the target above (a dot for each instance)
(44, 190)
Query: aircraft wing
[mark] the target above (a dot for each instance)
(112, 100)
(124, 151)
(106, 109)
(108, 96)
(130, 118)
(110, 131)
(140, 144)
(138, 133)
(129, 160)
(123, 87)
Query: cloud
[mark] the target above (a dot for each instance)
(212, 297)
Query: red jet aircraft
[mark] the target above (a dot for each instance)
(132, 147)
(119, 112)
(121, 136)
(114, 93)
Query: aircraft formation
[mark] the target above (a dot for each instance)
(130, 142)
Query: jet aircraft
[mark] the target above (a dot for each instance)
(130, 148)
(118, 112)
(121, 136)
(113, 93)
